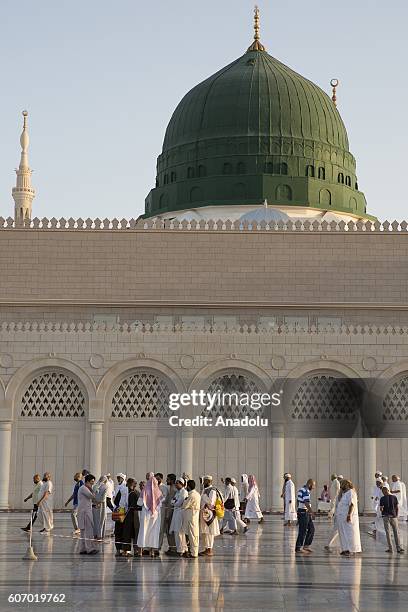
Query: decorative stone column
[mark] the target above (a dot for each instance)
(278, 466)
(370, 466)
(186, 451)
(5, 448)
(95, 453)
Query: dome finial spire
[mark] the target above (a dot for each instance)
(256, 45)
(334, 83)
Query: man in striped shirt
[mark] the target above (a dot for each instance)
(305, 518)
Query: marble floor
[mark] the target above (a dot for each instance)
(258, 571)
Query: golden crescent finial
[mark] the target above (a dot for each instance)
(334, 83)
(256, 45)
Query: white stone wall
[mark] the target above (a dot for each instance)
(100, 356)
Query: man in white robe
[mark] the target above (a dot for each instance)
(86, 498)
(45, 504)
(399, 489)
(241, 526)
(191, 518)
(334, 493)
(348, 520)
(289, 500)
(150, 500)
(209, 529)
(99, 512)
(228, 522)
(163, 488)
(176, 526)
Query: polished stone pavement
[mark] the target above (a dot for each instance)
(258, 571)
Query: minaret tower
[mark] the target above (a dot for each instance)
(23, 193)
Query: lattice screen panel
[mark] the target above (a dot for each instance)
(53, 395)
(395, 404)
(324, 397)
(235, 384)
(141, 395)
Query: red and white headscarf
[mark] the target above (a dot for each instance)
(252, 482)
(152, 494)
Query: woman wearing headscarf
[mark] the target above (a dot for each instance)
(253, 510)
(101, 493)
(347, 520)
(120, 500)
(130, 529)
(150, 501)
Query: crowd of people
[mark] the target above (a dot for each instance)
(341, 502)
(144, 513)
(191, 517)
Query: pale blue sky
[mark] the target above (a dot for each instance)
(101, 79)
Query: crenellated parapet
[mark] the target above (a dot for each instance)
(140, 224)
(141, 327)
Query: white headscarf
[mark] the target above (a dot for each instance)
(124, 491)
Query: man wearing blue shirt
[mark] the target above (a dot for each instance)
(74, 498)
(305, 518)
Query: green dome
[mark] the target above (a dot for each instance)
(256, 130)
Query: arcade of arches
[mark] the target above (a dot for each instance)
(61, 423)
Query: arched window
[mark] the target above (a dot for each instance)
(166, 179)
(324, 397)
(195, 194)
(283, 193)
(395, 403)
(173, 177)
(142, 395)
(283, 168)
(190, 172)
(340, 178)
(232, 385)
(310, 171)
(269, 167)
(325, 197)
(348, 181)
(201, 171)
(163, 201)
(157, 181)
(239, 190)
(227, 168)
(53, 394)
(240, 168)
(356, 186)
(322, 174)
(353, 203)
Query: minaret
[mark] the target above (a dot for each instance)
(23, 193)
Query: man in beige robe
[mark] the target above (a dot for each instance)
(191, 518)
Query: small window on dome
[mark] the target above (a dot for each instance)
(356, 186)
(269, 167)
(348, 181)
(340, 178)
(284, 168)
(241, 168)
(190, 172)
(310, 171)
(157, 181)
(227, 168)
(173, 177)
(322, 174)
(166, 179)
(201, 171)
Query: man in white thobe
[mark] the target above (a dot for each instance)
(241, 526)
(334, 493)
(164, 489)
(335, 496)
(209, 529)
(191, 518)
(46, 505)
(150, 500)
(229, 520)
(289, 500)
(399, 489)
(85, 516)
(176, 526)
